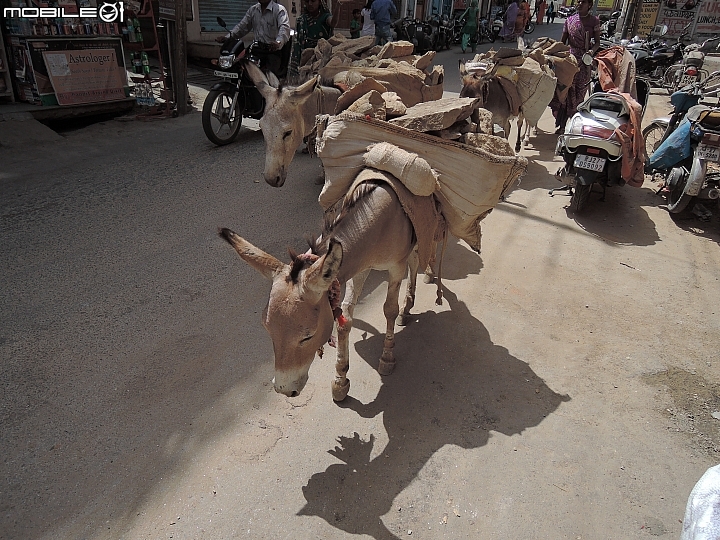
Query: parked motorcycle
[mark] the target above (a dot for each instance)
(417, 32)
(442, 32)
(691, 142)
(236, 96)
(589, 146)
(652, 59)
(485, 32)
(688, 177)
(610, 25)
(565, 11)
(690, 70)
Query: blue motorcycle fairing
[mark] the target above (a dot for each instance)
(673, 150)
(682, 101)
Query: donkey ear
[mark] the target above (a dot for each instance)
(260, 80)
(264, 263)
(318, 278)
(305, 90)
(463, 70)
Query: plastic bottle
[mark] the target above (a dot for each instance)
(145, 63)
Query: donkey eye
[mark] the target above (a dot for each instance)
(287, 134)
(303, 340)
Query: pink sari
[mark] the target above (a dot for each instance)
(580, 35)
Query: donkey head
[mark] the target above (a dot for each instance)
(282, 124)
(473, 85)
(298, 316)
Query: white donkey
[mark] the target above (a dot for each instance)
(289, 118)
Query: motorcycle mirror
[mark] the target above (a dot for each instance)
(221, 22)
(661, 30)
(587, 59)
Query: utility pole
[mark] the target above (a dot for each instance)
(180, 58)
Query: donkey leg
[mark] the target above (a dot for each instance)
(391, 308)
(413, 264)
(341, 384)
(520, 121)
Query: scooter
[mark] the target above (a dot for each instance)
(442, 32)
(589, 146)
(236, 96)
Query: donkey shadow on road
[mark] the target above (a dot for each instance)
(452, 385)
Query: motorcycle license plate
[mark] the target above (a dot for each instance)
(225, 74)
(688, 79)
(591, 163)
(708, 152)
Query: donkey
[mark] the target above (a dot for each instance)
(289, 117)
(371, 231)
(493, 98)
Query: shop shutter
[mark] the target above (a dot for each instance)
(231, 11)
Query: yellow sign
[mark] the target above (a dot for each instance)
(647, 17)
(605, 5)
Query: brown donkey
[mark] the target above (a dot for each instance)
(371, 231)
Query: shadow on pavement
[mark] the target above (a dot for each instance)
(452, 385)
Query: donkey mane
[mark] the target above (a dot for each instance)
(350, 200)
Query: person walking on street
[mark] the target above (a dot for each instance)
(540, 7)
(381, 12)
(368, 28)
(269, 21)
(508, 29)
(554, 11)
(523, 16)
(579, 31)
(470, 30)
(355, 24)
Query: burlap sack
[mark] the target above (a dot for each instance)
(472, 180)
(412, 170)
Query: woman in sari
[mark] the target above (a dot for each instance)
(314, 23)
(522, 18)
(582, 33)
(508, 29)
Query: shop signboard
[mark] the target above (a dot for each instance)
(678, 14)
(167, 10)
(708, 21)
(646, 18)
(605, 5)
(79, 71)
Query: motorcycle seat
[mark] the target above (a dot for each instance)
(705, 116)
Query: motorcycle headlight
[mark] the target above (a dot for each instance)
(226, 61)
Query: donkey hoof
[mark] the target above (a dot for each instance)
(428, 278)
(340, 391)
(402, 319)
(386, 368)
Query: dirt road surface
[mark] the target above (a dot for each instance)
(564, 389)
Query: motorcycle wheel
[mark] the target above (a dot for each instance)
(653, 135)
(671, 78)
(529, 27)
(491, 37)
(220, 124)
(677, 199)
(580, 197)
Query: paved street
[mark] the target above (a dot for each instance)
(564, 389)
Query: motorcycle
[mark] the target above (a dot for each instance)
(236, 97)
(485, 32)
(565, 11)
(442, 33)
(609, 26)
(653, 58)
(416, 32)
(690, 69)
(589, 146)
(690, 144)
(499, 21)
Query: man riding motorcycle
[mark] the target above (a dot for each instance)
(269, 21)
